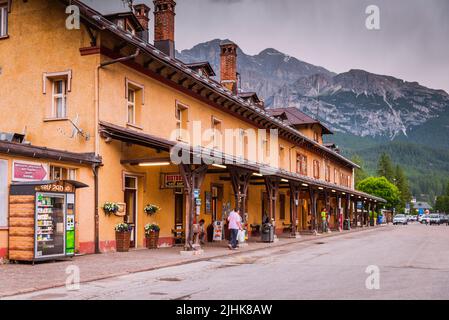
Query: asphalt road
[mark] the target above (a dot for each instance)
(413, 263)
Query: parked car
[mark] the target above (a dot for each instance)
(400, 219)
(434, 218)
(444, 219)
(424, 218)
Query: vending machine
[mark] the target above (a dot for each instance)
(48, 210)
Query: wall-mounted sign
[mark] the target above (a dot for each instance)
(56, 187)
(23, 171)
(208, 202)
(171, 181)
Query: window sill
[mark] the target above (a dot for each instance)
(4, 37)
(55, 119)
(4, 228)
(134, 126)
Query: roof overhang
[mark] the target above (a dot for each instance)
(112, 131)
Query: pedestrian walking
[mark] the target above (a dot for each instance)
(235, 224)
(324, 220)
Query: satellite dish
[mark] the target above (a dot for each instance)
(76, 130)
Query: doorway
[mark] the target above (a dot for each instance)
(217, 202)
(179, 217)
(131, 206)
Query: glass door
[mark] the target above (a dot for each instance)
(50, 225)
(131, 206)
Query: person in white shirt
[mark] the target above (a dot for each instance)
(235, 224)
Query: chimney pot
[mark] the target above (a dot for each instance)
(142, 13)
(164, 26)
(228, 65)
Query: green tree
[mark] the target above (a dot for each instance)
(381, 187)
(402, 183)
(442, 204)
(385, 167)
(360, 174)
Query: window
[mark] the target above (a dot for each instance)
(59, 105)
(3, 193)
(301, 164)
(217, 135)
(282, 206)
(61, 173)
(335, 175)
(327, 173)
(181, 115)
(61, 83)
(281, 156)
(3, 20)
(344, 180)
(316, 136)
(316, 169)
(134, 102)
(131, 106)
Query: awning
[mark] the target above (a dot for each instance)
(143, 139)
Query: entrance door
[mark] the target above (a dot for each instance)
(217, 202)
(131, 206)
(179, 217)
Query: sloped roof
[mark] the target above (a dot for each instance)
(94, 18)
(422, 205)
(202, 65)
(295, 117)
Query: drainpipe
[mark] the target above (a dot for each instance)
(95, 167)
(97, 215)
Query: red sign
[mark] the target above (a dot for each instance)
(29, 171)
(171, 181)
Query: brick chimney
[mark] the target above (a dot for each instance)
(164, 26)
(142, 13)
(228, 65)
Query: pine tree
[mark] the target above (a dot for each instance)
(402, 183)
(385, 167)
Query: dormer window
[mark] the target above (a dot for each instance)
(121, 24)
(130, 29)
(3, 20)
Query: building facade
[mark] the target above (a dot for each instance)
(102, 105)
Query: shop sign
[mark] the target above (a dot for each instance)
(171, 181)
(56, 187)
(29, 171)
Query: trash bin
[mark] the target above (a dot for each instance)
(347, 224)
(267, 234)
(210, 233)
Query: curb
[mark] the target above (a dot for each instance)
(191, 261)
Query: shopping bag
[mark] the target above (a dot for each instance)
(241, 236)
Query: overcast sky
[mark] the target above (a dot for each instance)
(412, 43)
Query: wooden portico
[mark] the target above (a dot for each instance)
(340, 201)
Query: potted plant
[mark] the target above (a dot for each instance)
(122, 237)
(152, 235)
(110, 208)
(151, 209)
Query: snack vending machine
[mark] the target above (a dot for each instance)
(42, 220)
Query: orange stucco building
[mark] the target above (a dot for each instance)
(102, 105)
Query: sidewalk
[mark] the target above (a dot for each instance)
(23, 278)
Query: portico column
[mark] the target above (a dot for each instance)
(240, 179)
(272, 188)
(313, 204)
(294, 205)
(340, 214)
(193, 176)
(348, 210)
